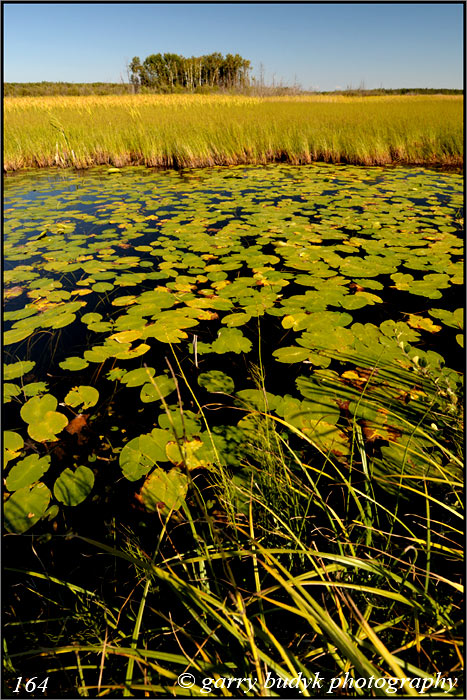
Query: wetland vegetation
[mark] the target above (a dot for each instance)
(233, 395)
(205, 130)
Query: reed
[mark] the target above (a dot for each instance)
(207, 130)
(310, 570)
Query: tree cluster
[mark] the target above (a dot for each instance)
(170, 72)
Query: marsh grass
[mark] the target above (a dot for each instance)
(200, 130)
(307, 564)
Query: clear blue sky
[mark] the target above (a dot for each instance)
(324, 46)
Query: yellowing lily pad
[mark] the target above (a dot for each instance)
(44, 423)
(425, 324)
(13, 443)
(164, 491)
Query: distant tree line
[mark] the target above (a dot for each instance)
(170, 72)
(250, 87)
(394, 91)
(48, 88)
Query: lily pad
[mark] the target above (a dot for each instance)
(217, 382)
(231, 340)
(84, 396)
(27, 471)
(13, 443)
(164, 491)
(74, 364)
(291, 354)
(137, 377)
(159, 388)
(17, 369)
(74, 486)
(44, 423)
(26, 507)
(143, 452)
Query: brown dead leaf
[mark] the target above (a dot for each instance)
(77, 425)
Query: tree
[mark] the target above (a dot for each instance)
(170, 71)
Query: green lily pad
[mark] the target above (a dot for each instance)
(16, 334)
(26, 507)
(17, 369)
(216, 381)
(84, 396)
(74, 364)
(231, 340)
(9, 391)
(35, 388)
(27, 471)
(159, 388)
(291, 354)
(74, 486)
(137, 377)
(143, 452)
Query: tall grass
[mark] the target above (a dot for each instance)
(306, 565)
(201, 130)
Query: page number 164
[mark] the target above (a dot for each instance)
(30, 686)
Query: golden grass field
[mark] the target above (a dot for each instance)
(200, 130)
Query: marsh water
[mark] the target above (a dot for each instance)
(144, 305)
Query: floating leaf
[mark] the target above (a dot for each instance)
(159, 388)
(126, 336)
(16, 334)
(74, 486)
(43, 421)
(425, 324)
(164, 491)
(291, 354)
(27, 471)
(259, 400)
(137, 377)
(185, 452)
(234, 320)
(17, 369)
(10, 390)
(216, 381)
(130, 354)
(84, 396)
(35, 388)
(74, 364)
(13, 443)
(231, 340)
(25, 507)
(102, 287)
(143, 452)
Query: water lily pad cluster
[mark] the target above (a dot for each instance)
(326, 275)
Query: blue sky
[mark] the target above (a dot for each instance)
(322, 46)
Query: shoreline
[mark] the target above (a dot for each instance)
(453, 164)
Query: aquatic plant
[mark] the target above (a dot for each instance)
(232, 398)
